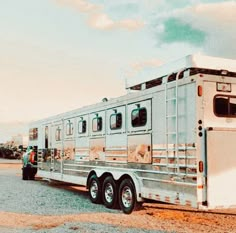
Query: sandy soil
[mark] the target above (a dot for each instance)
(153, 216)
(10, 166)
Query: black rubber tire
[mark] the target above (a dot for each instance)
(94, 186)
(25, 173)
(109, 192)
(127, 196)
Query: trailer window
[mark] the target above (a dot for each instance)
(69, 128)
(33, 134)
(97, 124)
(58, 134)
(116, 121)
(82, 126)
(225, 106)
(139, 117)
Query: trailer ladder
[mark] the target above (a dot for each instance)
(172, 98)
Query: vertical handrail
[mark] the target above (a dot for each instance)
(177, 120)
(167, 128)
(167, 147)
(62, 147)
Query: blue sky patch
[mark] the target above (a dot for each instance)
(178, 31)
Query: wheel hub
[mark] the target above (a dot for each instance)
(94, 189)
(109, 193)
(127, 197)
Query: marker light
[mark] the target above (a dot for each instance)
(200, 166)
(199, 90)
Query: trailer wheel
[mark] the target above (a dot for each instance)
(94, 189)
(127, 196)
(109, 192)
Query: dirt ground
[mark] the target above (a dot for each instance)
(153, 216)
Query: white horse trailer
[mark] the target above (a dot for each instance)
(172, 138)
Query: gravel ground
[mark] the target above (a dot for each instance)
(80, 227)
(43, 197)
(51, 199)
(42, 206)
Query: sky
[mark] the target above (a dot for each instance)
(59, 55)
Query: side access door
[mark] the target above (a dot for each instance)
(221, 167)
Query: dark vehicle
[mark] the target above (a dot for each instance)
(6, 153)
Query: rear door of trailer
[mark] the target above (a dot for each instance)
(219, 101)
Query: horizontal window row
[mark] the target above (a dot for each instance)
(138, 119)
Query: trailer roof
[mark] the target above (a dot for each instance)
(190, 61)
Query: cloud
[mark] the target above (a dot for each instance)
(142, 67)
(130, 24)
(103, 22)
(210, 26)
(149, 63)
(96, 18)
(80, 5)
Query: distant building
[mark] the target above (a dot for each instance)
(19, 141)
